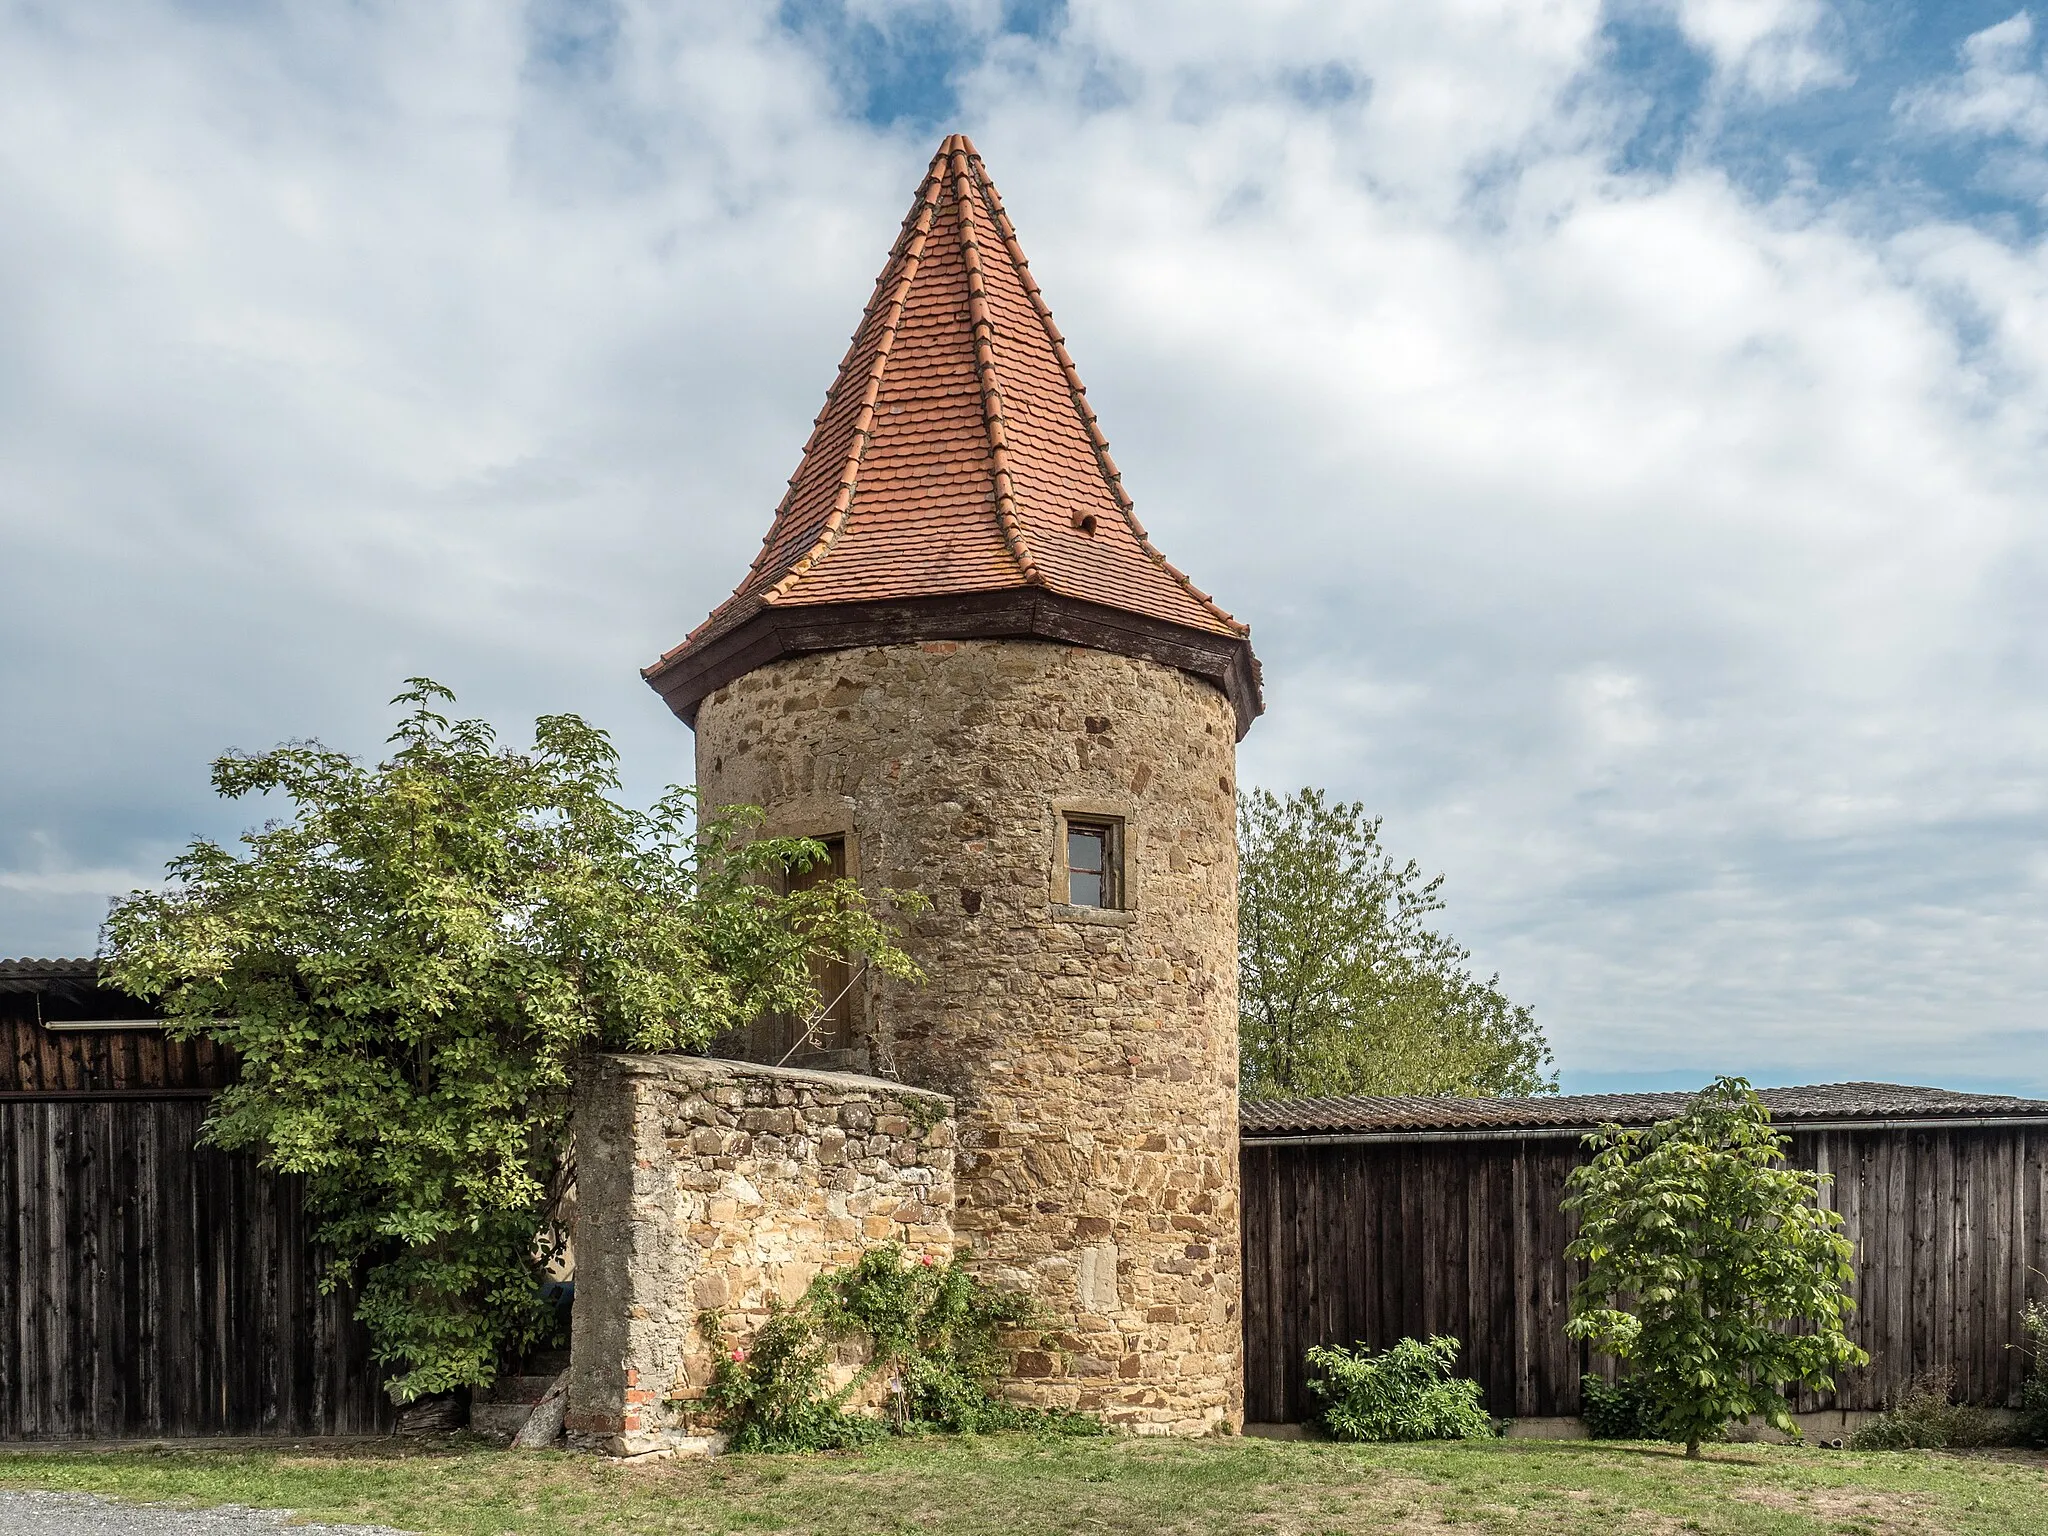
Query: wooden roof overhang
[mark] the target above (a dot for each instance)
(774, 633)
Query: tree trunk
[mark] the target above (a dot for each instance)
(1692, 1450)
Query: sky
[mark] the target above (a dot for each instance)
(1624, 426)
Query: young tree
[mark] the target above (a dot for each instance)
(1704, 1252)
(410, 964)
(1342, 985)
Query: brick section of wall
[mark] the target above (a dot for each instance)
(1093, 1055)
(713, 1186)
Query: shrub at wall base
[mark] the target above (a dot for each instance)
(1405, 1393)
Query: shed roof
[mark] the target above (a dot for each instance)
(1270, 1119)
(26, 970)
(61, 990)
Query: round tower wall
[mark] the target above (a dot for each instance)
(1092, 1052)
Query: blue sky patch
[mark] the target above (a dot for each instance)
(904, 72)
(1845, 137)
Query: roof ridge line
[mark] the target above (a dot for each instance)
(963, 160)
(864, 424)
(1079, 393)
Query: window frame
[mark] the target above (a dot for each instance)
(839, 1026)
(1116, 891)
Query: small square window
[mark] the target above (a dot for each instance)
(1094, 857)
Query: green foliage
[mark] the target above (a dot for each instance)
(409, 966)
(1618, 1410)
(932, 1332)
(1405, 1393)
(1342, 985)
(1926, 1417)
(1704, 1252)
(2033, 1420)
(773, 1395)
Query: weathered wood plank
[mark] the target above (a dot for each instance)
(148, 1287)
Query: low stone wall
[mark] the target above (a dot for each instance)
(712, 1186)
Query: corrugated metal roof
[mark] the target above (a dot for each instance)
(1822, 1101)
(25, 975)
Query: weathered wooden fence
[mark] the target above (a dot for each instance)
(1370, 1243)
(1368, 1240)
(149, 1286)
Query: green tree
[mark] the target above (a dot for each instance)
(1705, 1253)
(1342, 985)
(410, 965)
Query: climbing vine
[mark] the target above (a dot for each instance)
(933, 1335)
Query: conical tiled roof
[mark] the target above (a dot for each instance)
(958, 476)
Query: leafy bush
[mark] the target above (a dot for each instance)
(1712, 1268)
(1926, 1417)
(772, 1395)
(933, 1334)
(1406, 1393)
(1619, 1410)
(2033, 1422)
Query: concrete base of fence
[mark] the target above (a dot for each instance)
(1831, 1428)
(1547, 1429)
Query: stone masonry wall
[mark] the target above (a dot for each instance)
(1092, 1054)
(713, 1186)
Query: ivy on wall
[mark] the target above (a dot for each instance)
(933, 1336)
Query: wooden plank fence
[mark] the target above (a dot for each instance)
(1367, 1242)
(152, 1287)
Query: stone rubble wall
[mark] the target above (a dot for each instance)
(1092, 1054)
(714, 1186)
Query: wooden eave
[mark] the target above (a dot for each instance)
(771, 633)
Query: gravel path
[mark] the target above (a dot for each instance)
(82, 1514)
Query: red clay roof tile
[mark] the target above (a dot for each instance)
(957, 451)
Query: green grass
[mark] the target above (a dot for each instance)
(1018, 1485)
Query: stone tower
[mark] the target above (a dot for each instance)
(959, 659)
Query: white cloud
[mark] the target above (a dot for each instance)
(78, 882)
(1774, 48)
(2000, 91)
(1665, 565)
(1615, 712)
